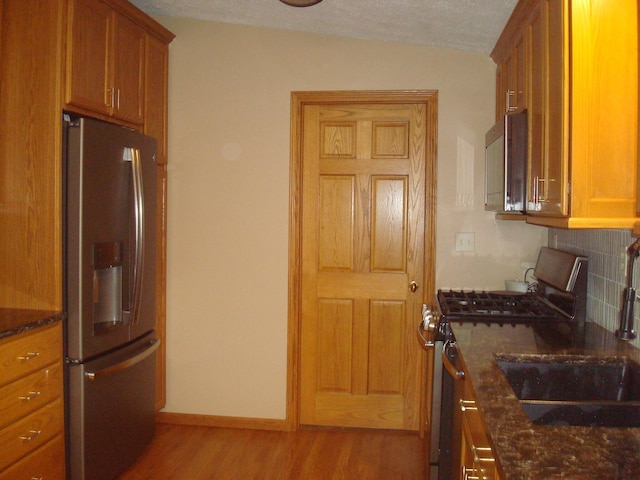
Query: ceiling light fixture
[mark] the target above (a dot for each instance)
(300, 3)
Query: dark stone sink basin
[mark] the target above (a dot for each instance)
(574, 390)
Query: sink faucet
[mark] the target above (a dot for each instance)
(626, 331)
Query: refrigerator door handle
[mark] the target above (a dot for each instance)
(138, 191)
(129, 362)
(133, 155)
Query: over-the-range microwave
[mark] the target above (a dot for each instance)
(506, 165)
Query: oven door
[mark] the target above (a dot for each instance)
(435, 454)
(449, 437)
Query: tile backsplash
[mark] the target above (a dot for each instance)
(606, 250)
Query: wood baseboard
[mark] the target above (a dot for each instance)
(222, 422)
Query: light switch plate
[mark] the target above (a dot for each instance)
(465, 242)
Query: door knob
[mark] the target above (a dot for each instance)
(413, 286)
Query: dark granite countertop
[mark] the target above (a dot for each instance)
(14, 321)
(540, 452)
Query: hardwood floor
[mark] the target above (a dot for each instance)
(194, 453)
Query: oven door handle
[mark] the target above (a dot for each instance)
(426, 344)
(427, 327)
(449, 353)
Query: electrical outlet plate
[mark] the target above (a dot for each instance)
(465, 242)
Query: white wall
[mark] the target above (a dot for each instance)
(229, 184)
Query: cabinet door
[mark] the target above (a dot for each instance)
(520, 72)
(105, 65)
(155, 125)
(547, 116)
(501, 89)
(604, 108)
(155, 104)
(511, 94)
(556, 200)
(511, 79)
(128, 70)
(536, 30)
(87, 58)
(477, 460)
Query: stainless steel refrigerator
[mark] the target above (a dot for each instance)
(109, 195)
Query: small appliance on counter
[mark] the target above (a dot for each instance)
(557, 310)
(516, 285)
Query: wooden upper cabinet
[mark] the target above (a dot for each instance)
(521, 70)
(548, 169)
(155, 105)
(30, 170)
(87, 79)
(511, 77)
(60, 55)
(128, 70)
(501, 90)
(513, 82)
(580, 88)
(105, 62)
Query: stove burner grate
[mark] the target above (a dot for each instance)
(494, 307)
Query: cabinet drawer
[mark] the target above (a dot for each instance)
(26, 435)
(478, 459)
(29, 352)
(27, 394)
(46, 463)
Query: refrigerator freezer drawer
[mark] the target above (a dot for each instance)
(111, 410)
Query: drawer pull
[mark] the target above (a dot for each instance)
(28, 356)
(469, 474)
(37, 478)
(29, 396)
(482, 454)
(467, 405)
(30, 436)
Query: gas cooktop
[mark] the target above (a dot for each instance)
(561, 296)
(494, 307)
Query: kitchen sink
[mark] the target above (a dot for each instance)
(575, 390)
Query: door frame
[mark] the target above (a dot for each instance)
(299, 100)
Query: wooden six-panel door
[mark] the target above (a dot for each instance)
(363, 238)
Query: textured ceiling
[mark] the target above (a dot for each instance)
(472, 25)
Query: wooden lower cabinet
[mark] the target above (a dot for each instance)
(477, 460)
(46, 463)
(472, 457)
(31, 405)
